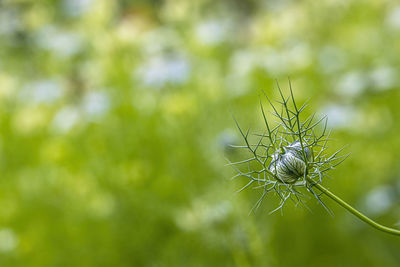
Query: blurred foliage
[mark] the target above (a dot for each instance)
(115, 123)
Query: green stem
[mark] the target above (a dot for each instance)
(355, 212)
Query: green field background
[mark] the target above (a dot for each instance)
(116, 120)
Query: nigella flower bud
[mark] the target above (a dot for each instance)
(290, 165)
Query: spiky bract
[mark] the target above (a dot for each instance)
(289, 155)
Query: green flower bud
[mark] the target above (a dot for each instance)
(290, 165)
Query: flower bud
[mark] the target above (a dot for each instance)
(290, 165)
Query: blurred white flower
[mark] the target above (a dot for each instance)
(65, 119)
(331, 59)
(62, 44)
(243, 62)
(212, 32)
(226, 138)
(383, 78)
(9, 21)
(379, 200)
(237, 84)
(275, 6)
(41, 92)
(393, 18)
(159, 40)
(77, 7)
(95, 104)
(8, 240)
(341, 116)
(203, 215)
(298, 56)
(273, 61)
(352, 84)
(160, 70)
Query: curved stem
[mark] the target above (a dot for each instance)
(356, 212)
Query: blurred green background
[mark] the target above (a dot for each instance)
(115, 123)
